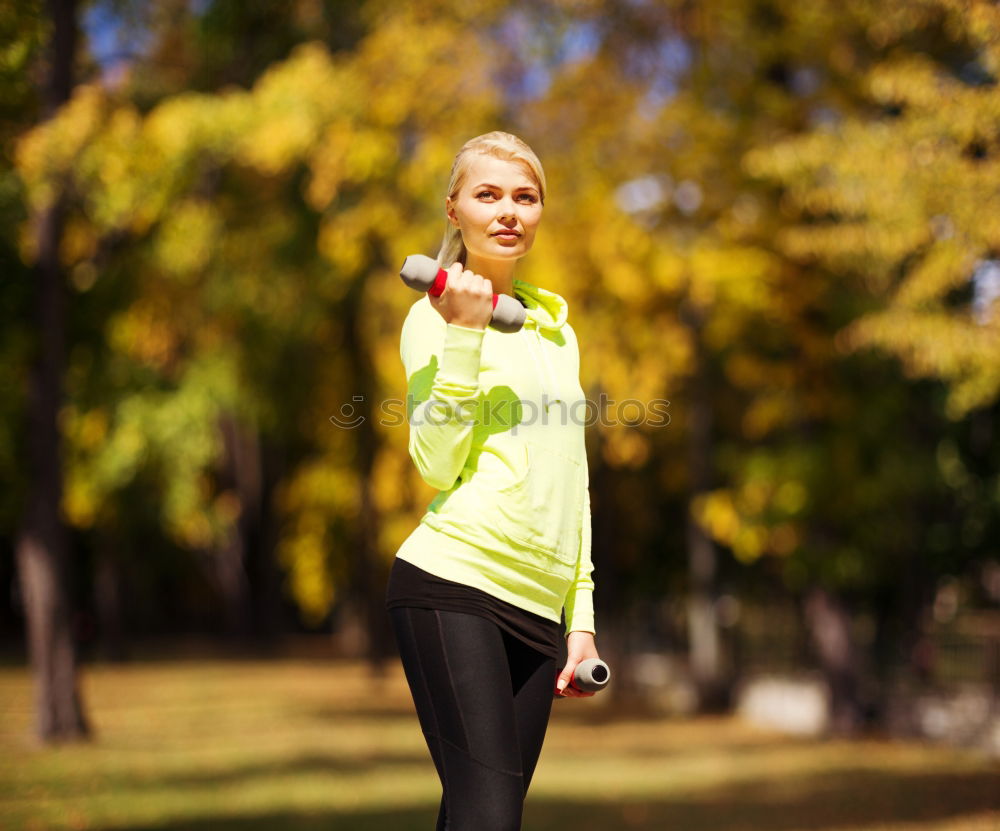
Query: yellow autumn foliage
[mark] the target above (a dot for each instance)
(263, 228)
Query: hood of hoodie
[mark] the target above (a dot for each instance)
(545, 309)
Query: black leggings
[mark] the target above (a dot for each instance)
(483, 700)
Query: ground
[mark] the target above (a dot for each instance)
(310, 743)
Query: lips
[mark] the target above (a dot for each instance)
(506, 234)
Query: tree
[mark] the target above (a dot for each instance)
(43, 553)
(250, 231)
(893, 196)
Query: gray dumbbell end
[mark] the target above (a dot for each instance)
(591, 675)
(419, 271)
(508, 314)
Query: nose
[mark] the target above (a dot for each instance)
(506, 210)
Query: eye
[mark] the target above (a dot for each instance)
(486, 193)
(529, 198)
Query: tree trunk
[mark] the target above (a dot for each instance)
(705, 644)
(367, 587)
(241, 475)
(829, 624)
(704, 641)
(609, 604)
(108, 597)
(42, 543)
(265, 578)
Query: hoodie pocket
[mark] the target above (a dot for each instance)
(543, 510)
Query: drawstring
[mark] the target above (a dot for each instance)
(548, 366)
(548, 379)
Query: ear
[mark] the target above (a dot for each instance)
(449, 208)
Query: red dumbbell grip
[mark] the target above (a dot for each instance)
(437, 287)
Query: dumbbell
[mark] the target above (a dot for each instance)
(422, 273)
(591, 675)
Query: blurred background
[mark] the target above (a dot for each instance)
(777, 225)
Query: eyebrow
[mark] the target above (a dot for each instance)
(497, 187)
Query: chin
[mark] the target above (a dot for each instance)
(503, 253)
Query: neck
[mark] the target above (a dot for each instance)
(500, 273)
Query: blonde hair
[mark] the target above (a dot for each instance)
(500, 145)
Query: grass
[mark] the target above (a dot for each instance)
(304, 744)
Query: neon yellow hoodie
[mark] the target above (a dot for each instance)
(497, 426)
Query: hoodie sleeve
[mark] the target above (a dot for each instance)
(579, 603)
(442, 371)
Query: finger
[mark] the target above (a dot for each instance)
(564, 678)
(559, 685)
(477, 280)
(573, 692)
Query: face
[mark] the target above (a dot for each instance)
(497, 208)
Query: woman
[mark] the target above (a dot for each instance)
(476, 592)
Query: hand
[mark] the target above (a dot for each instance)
(579, 647)
(467, 299)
